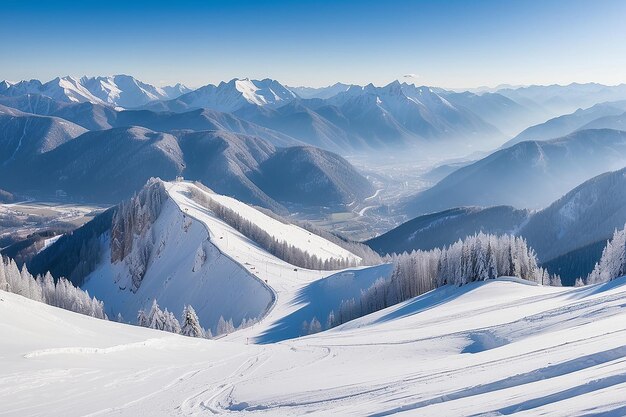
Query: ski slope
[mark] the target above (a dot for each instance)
(294, 288)
(185, 268)
(200, 260)
(499, 347)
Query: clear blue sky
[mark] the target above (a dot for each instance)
(446, 43)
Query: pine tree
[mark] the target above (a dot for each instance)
(155, 319)
(190, 323)
(315, 326)
(612, 263)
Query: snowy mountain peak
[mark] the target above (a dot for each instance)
(116, 90)
(239, 93)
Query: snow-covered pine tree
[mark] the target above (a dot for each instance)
(190, 323)
(612, 263)
(475, 258)
(224, 326)
(43, 289)
(315, 326)
(142, 319)
(171, 324)
(156, 318)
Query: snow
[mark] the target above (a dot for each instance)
(49, 241)
(491, 348)
(295, 235)
(121, 91)
(288, 283)
(200, 260)
(185, 268)
(238, 93)
(497, 347)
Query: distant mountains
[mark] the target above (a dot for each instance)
(568, 235)
(45, 154)
(587, 214)
(342, 118)
(118, 90)
(562, 99)
(436, 230)
(322, 92)
(352, 118)
(527, 175)
(23, 136)
(231, 96)
(602, 115)
(99, 117)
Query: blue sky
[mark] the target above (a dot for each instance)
(445, 43)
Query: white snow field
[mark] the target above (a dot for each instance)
(492, 348)
(498, 347)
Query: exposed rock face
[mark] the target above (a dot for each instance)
(131, 224)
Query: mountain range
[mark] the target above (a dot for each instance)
(527, 175)
(568, 235)
(46, 154)
(340, 118)
(562, 99)
(594, 117)
(117, 90)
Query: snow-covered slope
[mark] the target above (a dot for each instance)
(491, 348)
(296, 236)
(166, 245)
(184, 267)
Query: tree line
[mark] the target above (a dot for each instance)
(279, 248)
(612, 263)
(475, 258)
(189, 324)
(44, 289)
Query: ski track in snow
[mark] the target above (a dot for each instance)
(564, 354)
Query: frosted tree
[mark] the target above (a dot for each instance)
(134, 218)
(330, 320)
(314, 326)
(224, 326)
(170, 323)
(142, 319)
(4, 285)
(43, 289)
(612, 263)
(156, 318)
(475, 258)
(190, 323)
